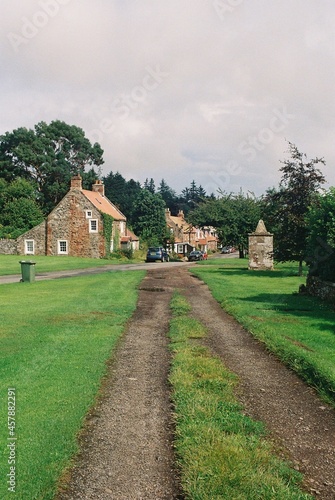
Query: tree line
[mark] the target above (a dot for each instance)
(36, 166)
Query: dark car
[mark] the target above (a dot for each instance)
(157, 253)
(195, 255)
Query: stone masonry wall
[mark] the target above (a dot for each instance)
(8, 247)
(68, 222)
(325, 290)
(37, 234)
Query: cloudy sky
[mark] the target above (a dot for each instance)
(209, 90)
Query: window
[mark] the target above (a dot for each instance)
(93, 225)
(180, 248)
(29, 247)
(62, 247)
(88, 214)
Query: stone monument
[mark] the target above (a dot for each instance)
(261, 248)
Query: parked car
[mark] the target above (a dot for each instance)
(157, 253)
(195, 255)
(227, 249)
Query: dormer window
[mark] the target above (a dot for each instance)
(88, 214)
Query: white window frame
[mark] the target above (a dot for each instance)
(93, 221)
(180, 248)
(26, 245)
(59, 247)
(89, 214)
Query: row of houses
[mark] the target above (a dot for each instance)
(87, 224)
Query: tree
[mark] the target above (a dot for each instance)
(150, 185)
(321, 238)
(285, 209)
(149, 217)
(48, 156)
(19, 208)
(233, 215)
(169, 196)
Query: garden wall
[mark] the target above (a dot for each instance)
(8, 247)
(325, 290)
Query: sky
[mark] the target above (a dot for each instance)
(180, 90)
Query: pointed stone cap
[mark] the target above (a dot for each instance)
(261, 229)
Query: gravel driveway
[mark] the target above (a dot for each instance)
(126, 447)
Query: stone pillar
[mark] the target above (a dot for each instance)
(261, 248)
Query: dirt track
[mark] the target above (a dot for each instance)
(126, 449)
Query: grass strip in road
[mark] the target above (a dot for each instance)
(55, 339)
(299, 329)
(221, 452)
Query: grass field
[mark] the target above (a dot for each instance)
(55, 338)
(9, 264)
(298, 328)
(221, 452)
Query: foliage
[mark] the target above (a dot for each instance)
(222, 452)
(285, 209)
(321, 238)
(233, 215)
(149, 217)
(49, 155)
(19, 210)
(108, 231)
(122, 193)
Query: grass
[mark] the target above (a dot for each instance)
(55, 339)
(9, 264)
(298, 329)
(221, 452)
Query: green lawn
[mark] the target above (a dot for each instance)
(222, 453)
(9, 264)
(55, 338)
(299, 329)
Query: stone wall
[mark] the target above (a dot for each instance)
(37, 234)
(8, 247)
(325, 290)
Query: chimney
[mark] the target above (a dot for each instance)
(99, 187)
(76, 182)
(181, 213)
(167, 212)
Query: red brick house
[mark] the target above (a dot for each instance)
(77, 226)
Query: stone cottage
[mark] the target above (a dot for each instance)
(83, 224)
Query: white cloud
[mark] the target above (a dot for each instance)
(221, 80)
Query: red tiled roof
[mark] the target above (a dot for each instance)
(104, 205)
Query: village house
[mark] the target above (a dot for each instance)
(83, 224)
(185, 237)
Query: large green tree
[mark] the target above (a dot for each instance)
(48, 155)
(285, 209)
(233, 215)
(321, 236)
(149, 217)
(19, 210)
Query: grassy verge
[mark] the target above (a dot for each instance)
(9, 264)
(298, 329)
(55, 338)
(221, 452)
